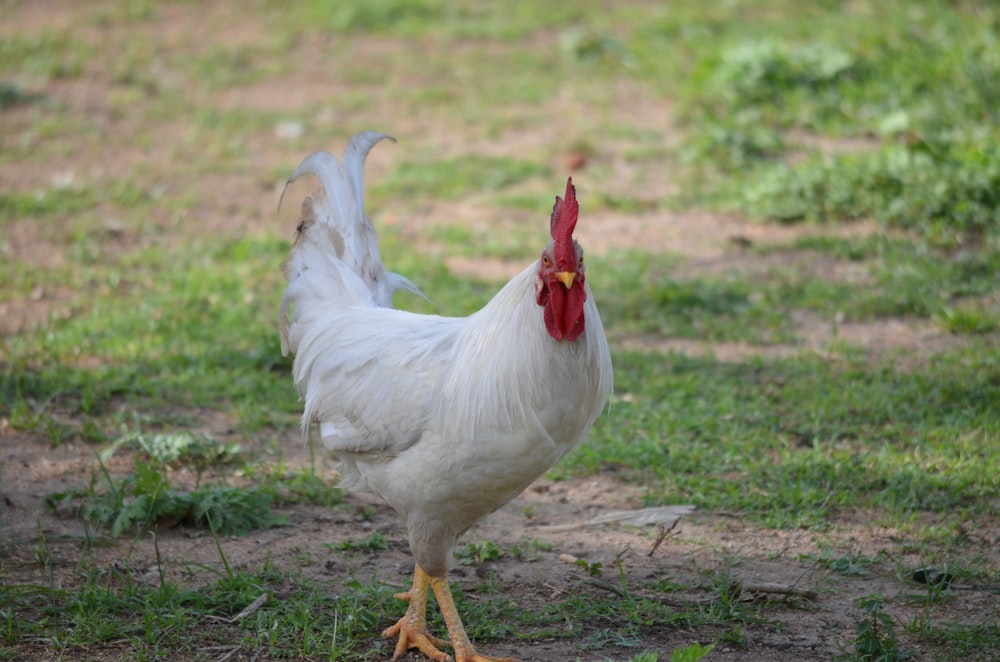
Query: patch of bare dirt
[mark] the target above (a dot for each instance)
(911, 340)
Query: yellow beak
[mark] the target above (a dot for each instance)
(566, 278)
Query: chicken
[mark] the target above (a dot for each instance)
(446, 418)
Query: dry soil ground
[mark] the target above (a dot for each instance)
(703, 546)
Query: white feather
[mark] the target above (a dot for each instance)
(446, 418)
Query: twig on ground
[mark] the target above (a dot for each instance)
(227, 651)
(771, 587)
(250, 609)
(662, 533)
(607, 586)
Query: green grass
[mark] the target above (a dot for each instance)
(65, 201)
(922, 95)
(456, 178)
(897, 278)
(939, 191)
(162, 619)
(45, 55)
(875, 635)
(816, 116)
(153, 327)
(145, 499)
(793, 442)
(638, 294)
(166, 620)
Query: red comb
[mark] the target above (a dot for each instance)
(564, 214)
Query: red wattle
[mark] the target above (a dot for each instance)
(564, 317)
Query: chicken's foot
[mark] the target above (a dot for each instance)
(412, 627)
(464, 650)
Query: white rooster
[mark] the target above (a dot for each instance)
(446, 418)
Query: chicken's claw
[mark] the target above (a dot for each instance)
(412, 627)
(415, 637)
(464, 650)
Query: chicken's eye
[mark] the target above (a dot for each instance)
(546, 261)
(580, 261)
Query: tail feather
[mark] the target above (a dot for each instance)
(335, 260)
(354, 160)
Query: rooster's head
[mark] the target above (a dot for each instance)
(560, 286)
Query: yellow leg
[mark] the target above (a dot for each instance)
(464, 650)
(412, 627)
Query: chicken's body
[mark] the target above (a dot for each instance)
(446, 418)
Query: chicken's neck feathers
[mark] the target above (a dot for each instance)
(506, 363)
